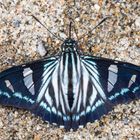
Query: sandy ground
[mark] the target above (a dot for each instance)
(22, 39)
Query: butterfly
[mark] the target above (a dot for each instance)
(71, 88)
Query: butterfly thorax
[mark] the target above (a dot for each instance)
(69, 45)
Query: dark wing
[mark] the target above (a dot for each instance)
(22, 86)
(104, 84)
(120, 81)
(41, 87)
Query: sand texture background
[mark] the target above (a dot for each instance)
(22, 39)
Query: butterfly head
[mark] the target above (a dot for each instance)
(69, 45)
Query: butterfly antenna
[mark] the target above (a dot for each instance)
(72, 27)
(103, 20)
(70, 30)
(59, 38)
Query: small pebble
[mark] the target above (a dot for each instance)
(40, 48)
(16, 22)
(137, 23)
(1, 124)
(97, 7)
(124, 43)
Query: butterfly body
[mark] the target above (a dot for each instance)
(70, 89)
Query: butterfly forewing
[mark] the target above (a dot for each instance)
(20, 85)
(120, 81)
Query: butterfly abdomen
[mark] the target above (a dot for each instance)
(70, 99)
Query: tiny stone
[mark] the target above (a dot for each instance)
(16, 23)
(38, 127)
(126, 121)
(137, 23)
(1, 124)
(40, 48)
(124, 43)
(97, 7)
(63, 36)
(77, 19)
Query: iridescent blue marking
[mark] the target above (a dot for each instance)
(43, 105)
(93, 108)
(48, 109)
(82, 113)
(135, 89)
(54, 110)
(18, 95)
(28, 99)
(99, 103)
(88, 109)
(5, 94)
(59, 113)
(31, 101)
(73, 117)
(77, 118)
(66, 118)
(123, 91)
(25, 98)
